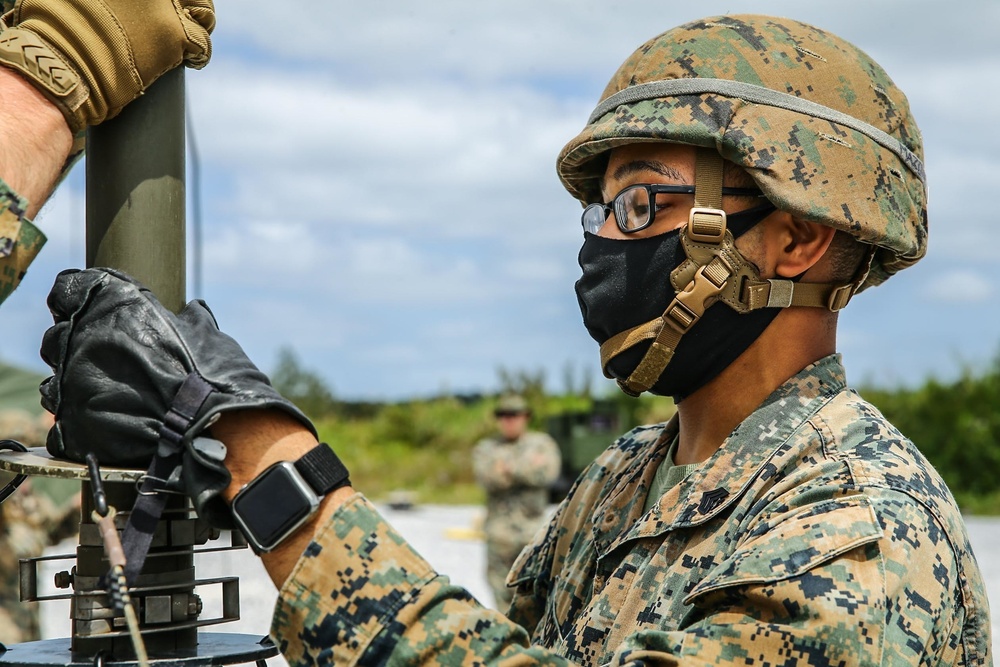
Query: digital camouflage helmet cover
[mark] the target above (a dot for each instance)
(819, 125)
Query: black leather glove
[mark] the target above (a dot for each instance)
(119, 359)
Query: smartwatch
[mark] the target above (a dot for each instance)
(275, 503)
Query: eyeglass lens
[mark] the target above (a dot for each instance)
(594, 217)
(632, 208)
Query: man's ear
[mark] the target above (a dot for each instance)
(798, 244)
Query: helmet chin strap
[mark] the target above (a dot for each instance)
(714, 271)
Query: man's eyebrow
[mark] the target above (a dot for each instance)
(636, 166)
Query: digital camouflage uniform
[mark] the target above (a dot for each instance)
(20, 240)
(29, 522)
(516, 476)
(816, 535)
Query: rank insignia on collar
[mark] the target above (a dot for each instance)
(712, 499)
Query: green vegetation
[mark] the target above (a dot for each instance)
(425, 446)
(422, 446)
(957, 427)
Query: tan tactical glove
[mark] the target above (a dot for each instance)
(92, 57)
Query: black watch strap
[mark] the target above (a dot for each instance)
(323, 470)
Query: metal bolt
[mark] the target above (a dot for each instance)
(195, 605)
(63, 579)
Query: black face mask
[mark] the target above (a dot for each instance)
(626, 283)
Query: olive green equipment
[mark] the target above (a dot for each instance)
(581, 436)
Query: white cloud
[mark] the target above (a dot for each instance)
(578, 38)
(960, 286)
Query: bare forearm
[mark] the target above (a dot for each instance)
(34, 140)
(255, 439)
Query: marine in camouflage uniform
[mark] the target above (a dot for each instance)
(816, 534)
(516, 468)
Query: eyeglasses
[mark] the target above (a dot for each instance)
(635, 207)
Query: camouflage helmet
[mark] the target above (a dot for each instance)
(817, 124)
(512, 404)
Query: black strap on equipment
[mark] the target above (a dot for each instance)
(164, 468)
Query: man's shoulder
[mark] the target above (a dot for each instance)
(852, 429)
(849, 430)
(850, 434)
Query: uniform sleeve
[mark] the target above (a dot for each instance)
(20, 240)
(533, 462)
(361, 596)
(488, 466)
(542, 461)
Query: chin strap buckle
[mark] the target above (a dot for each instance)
(707, 225)
(689, 305)
(839, 297)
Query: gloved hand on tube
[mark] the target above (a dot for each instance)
(130, 377)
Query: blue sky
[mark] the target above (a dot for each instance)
(380, 192)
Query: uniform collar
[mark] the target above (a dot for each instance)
(716, 484)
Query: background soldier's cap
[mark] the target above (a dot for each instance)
(820, 127)
(512, 404)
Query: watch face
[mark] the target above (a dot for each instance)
(275, 504)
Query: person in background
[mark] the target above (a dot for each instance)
(516, 468)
